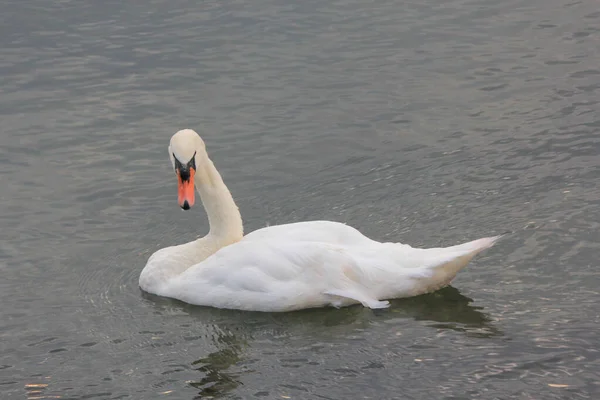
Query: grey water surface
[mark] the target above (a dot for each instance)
(428, 122)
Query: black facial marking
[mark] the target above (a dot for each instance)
(192, 162)
(184, 170)
(178, 164)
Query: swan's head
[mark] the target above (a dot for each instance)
(186, 149)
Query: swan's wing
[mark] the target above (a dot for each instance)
(276, 276)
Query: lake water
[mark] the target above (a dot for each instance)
(427, 122)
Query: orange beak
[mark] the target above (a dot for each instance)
(185, 190)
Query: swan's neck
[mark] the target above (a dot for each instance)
(223, 214)
(225, 228)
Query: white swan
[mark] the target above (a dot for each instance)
(286, 267)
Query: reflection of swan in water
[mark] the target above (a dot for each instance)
(449, 309)
(217, 380)
(234, 331)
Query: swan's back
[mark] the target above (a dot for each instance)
(312, 231)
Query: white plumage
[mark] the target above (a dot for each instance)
(293, 266)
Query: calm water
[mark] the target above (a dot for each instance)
(428, 122)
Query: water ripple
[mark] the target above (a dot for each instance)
(429, 123)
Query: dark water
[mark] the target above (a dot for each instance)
(428, 122)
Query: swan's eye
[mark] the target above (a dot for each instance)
(178, 164)
(192, 163)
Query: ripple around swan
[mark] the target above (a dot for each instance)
(430, 123)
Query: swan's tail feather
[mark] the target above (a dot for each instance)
(477, 246)
(443, 266)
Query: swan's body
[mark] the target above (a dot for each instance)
(287, 267)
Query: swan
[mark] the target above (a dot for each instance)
(285, 267)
